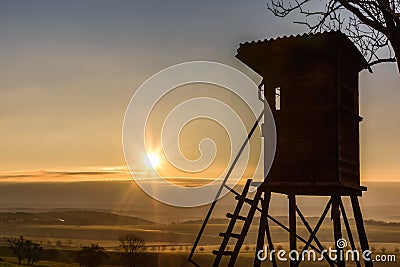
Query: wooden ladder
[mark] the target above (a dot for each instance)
(234, 217)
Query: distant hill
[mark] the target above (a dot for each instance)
(380, 202)
(70, 218)
(285, 220)
(381, 223)
(224, 221)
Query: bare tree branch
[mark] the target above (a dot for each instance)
(382, 60)
(373, 25)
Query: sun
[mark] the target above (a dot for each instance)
(154, 159)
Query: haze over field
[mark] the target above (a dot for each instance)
(380, 202)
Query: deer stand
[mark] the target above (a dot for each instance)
(311, 84)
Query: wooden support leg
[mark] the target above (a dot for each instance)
(337, 229)
(262, 228)
(348, 230)
(268, 233)
(292, 226)
(360, 227)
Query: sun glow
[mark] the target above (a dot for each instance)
(153, 159)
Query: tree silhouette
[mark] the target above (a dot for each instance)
(17, 245)
(23, 248)
(373, 25)
(33, 252)
(91, 256)
(131, 245)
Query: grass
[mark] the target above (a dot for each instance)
(61, 242)
(175, 234)
(13, 262)
(178, 259)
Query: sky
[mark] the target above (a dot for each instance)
(69, 68)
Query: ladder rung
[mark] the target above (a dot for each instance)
(224, 253)
(230, 235)
(237, 217)
(245, 199)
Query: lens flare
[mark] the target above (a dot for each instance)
(153, 159)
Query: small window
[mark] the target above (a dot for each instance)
(277, 98)
(261, 91)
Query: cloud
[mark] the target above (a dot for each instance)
(78, 173)
(63, 176)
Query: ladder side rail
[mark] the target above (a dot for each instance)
(206, 219)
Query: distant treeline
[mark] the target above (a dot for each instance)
(70, 218)
(106, 218)
(114, 258)
(382, 223)
(285, 219)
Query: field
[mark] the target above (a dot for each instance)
(63, 233)
(178, 259)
